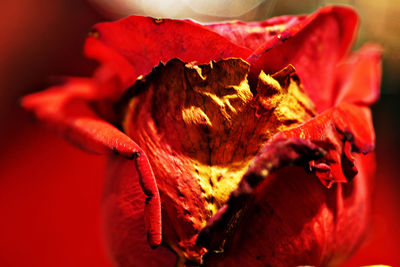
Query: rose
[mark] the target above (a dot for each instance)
(218, 133)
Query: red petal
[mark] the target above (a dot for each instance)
(314, 47)
(330, 131)
(124, 227)
(358, 79)
(144, 42)
(294, 221)
(273, 156)
(67, 109)
(254, 34)
(115, 73)
(345, 119)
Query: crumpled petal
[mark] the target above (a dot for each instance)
(293, 221)
(340, 131)
(314, 47)
(67, 109)
(319, 145)
(144, 42)
(358, 79)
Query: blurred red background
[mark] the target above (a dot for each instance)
(50, 192)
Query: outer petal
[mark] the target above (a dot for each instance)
(114, 74)
(327, 142)
(123, 222)
(253, 35)
(294, 221)
(358, 79)
(314, 47)
(144, 42)
(67, 108)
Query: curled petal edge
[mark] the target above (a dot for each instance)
(67, 109)
(322, 145)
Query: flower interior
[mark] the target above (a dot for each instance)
(201, 126)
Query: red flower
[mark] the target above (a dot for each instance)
(236, 142)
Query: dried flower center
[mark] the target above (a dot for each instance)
(200, 126)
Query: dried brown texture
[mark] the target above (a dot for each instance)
(201, 126)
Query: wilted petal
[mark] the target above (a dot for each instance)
(340, 131)
(195, 123)
(293, 220)
(323, 145)
(223, 118)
